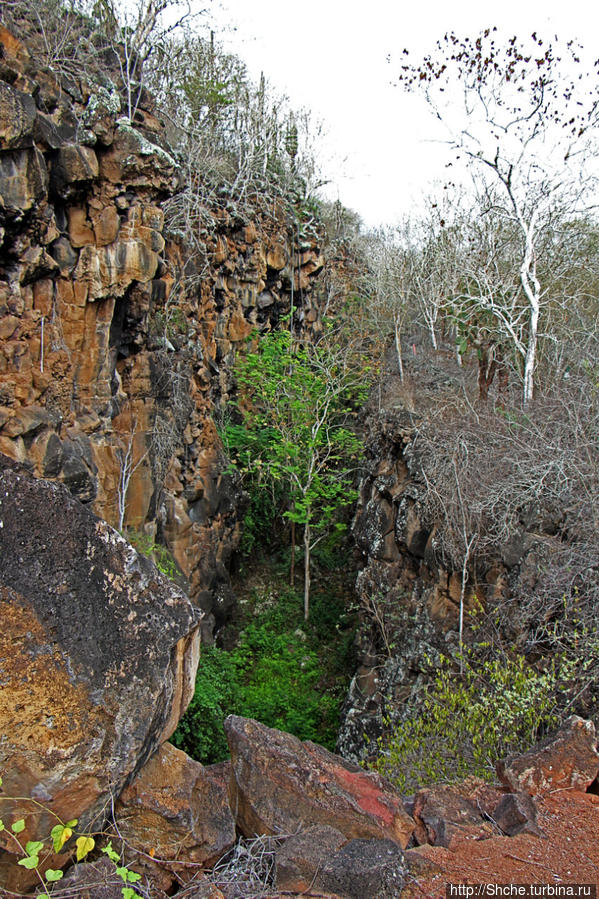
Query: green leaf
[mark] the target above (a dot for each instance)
(33, 847)
(128, 893)
(84, 846)
(30, 862)
(53, 875)
(18, 826)
(60, 833)
(109, 851)
(133, 876)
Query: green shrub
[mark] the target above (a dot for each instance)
(200, 732)
(467, 721)
(160, 556)
(283, 672)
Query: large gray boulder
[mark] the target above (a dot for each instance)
(98, 655)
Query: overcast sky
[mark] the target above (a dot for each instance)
(331, 57)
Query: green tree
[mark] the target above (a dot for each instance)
(295, 402)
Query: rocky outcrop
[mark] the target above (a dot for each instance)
(280, 784)
(313, 820)
(98, 658)
(179, 809)
(407, 529)
(409, 603)
(116, 336)
(300, 808)
(567, 760)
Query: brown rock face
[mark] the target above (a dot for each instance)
(452, 810)
(23, 180)
(566, 761)
(178, 810)
(98, 654)
(516, 813)
(99, 328)
(17, 115)
(280, 784)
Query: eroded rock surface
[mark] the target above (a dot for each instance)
(280, 784)
(116, 336)
(98, 655)
(303, 856)
(177, 810)
(568, 760)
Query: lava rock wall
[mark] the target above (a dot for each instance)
(112, 365)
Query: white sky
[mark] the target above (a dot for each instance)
(331, 56)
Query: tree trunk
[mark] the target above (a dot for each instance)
(502, 380)
(531, 351)
(431, 327)
(487, 364)
(398, 350)
(306, 571)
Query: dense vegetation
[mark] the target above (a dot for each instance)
(286, 672)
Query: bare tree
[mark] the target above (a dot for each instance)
(522, 117)
(130, 460)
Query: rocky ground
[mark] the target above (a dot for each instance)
(568, 852)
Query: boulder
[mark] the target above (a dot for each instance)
(364, 868)
(516, 813)
(568, 760)
(92, 880)
(450, 810)
(177, 811)
(279, 785)
(304, 854)
(98, 654)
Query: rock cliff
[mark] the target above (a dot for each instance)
(411, 588)
(116, 335)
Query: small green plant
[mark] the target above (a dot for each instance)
(35, 853)
(123, 872)
(159, 554)
(468, 720)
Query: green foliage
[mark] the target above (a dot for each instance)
(293, 444)
(200, 731)
(466, 721)
(282, 672)
(159, 554)
(36, 853)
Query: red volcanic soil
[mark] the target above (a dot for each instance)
(569, 854)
